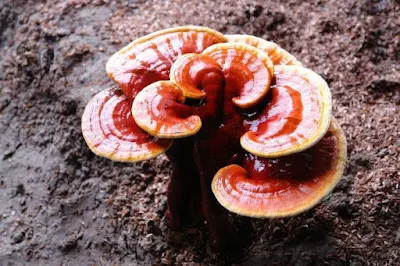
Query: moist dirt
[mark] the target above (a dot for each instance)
(61, 205)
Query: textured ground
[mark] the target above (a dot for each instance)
(61, 205)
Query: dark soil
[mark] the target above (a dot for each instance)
(61, 205)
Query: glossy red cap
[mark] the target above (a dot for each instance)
(283, 186)
(110, 131)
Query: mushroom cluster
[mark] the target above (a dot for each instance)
(244, 124)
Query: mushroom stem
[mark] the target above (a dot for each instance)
(183, 194)
(190, 198)
(222, 234)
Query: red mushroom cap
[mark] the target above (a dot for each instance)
(248, 70)
(296, 116)
(149, 59)
(110, 131)
(278, 55)
(283, 186)
(194, 72)
(159, 110)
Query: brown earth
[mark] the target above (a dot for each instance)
(61, 205)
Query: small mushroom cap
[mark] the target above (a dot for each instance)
(110, 131)
(278, 55)
(246, 69)
(296, 116)
(149, 59)
(286, 186)
(194, 72)
(159, 109)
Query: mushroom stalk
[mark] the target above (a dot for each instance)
(222, 233)
(183, 194)
(196, 159)
(190, 198)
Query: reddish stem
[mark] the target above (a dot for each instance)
(197, 159)
(183, 194)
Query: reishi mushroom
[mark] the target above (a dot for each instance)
(246, 127)
(159, 109)
(110, 131)
(284, 186)
(295, 118)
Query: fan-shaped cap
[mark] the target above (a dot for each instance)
(149, 59)
(110, 131)
(245, 68)
(159, 110)
(278, 55)
(283, 186)
(296, 116)
(194, 72)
